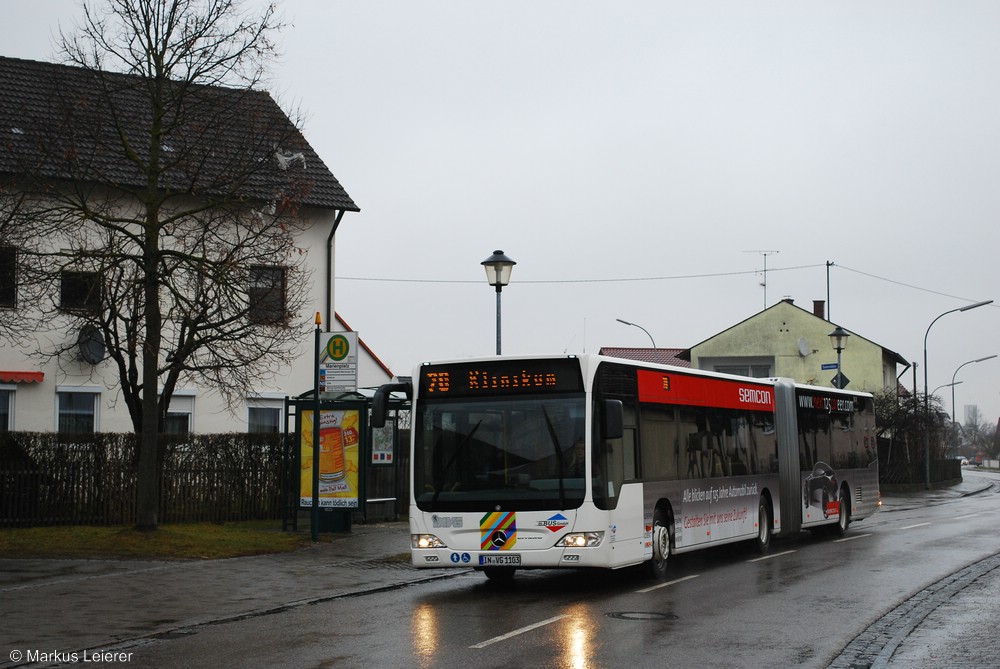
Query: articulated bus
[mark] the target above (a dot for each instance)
(590, 461)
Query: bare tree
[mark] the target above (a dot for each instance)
(977, 435)
(173, 190)
(903, 426)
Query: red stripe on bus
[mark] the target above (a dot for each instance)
(669, 388)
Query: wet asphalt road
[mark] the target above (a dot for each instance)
(908, 588)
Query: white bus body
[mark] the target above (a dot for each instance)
(602, 462)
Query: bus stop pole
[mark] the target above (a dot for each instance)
(314, 522)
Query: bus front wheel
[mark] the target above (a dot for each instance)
(662, 524)
(502, 574)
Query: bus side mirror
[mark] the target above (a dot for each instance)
(380, 402)
(612, 420)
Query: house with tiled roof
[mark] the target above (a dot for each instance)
(62, 139)
(789, 341)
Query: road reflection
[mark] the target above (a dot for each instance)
(425, 634)
(578, 632)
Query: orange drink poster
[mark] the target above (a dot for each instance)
(338, 459)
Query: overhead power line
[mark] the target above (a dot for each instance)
(905, 285)
(677, 277)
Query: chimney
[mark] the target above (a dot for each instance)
(819, 308)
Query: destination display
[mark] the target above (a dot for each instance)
(501, 377)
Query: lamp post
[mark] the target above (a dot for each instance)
(636, 325)
(927, 410)
(952, 386)
(498, 269)
(838, 338)
(954, 383)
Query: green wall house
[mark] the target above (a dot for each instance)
(786, 340)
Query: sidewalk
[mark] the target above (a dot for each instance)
(949, 623)
(72, 605)
(970, 485)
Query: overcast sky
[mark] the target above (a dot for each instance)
(638, 159)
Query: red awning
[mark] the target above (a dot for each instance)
(21, 377)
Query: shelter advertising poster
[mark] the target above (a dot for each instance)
(382, 440)
(338, 459)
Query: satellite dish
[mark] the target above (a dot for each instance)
(91, 343)
(803, 347)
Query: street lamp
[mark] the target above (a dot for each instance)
(498, 269)
(927, 410)
(838, 338)
(953, 383)
(952, 386)
(636, 325)
(947, 385)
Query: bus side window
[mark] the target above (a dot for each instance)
(628, 456)
(659, 452)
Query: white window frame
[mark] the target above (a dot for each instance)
(11, 399)
(267, 401)
(182, 402)
(268, 295)
(95, 391)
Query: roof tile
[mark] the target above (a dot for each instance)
(661, 356)
(66, 123)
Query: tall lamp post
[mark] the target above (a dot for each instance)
(498, 269)
(838, 338)
(927, 410)
(636, 325)
(954, 383)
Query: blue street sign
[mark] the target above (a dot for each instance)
(829, 365)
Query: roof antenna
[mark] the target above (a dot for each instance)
(763, 283)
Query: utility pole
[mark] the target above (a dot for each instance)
(829, 310)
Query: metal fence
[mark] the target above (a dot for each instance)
(902, 473)
(48, 479)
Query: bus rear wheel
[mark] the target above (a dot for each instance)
(844, 520)
(763, 540)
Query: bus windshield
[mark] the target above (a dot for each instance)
(518, 454)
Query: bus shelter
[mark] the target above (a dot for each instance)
(350, 469)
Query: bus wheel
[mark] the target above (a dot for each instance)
(657, 565)
(500, 574)
(763, 540)
(844, 521)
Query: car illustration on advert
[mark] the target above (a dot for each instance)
(820, 489)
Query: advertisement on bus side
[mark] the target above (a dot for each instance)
(717, 510)
(820, 494)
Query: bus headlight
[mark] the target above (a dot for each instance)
(425, 541)
(581, 540)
